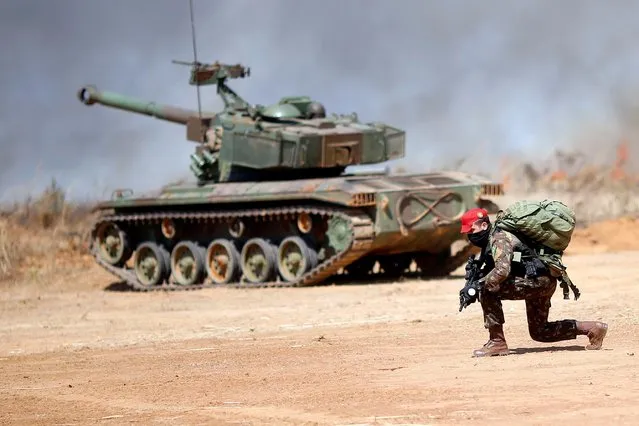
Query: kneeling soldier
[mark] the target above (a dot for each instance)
(506, 279)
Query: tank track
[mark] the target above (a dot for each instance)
(362, 235)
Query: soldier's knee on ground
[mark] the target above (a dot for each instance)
(540, 334)
(555, 331)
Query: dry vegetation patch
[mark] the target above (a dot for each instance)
(42, 236)
(597, 192)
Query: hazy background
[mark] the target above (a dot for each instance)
(487, 78)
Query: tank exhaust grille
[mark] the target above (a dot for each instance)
(363, 199)
(492, 189)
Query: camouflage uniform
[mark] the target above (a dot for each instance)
(507, 281)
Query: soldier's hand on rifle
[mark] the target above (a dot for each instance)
(473, 270)
(468, 295)
(462, 300)
(469, 268)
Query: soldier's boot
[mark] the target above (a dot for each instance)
(495, 346)
(595, 330)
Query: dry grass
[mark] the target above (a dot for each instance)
(43, 236)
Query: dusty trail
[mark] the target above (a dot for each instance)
(371, 354)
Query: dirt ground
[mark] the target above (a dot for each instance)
(396, 353)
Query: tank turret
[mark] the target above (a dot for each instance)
(291, 139)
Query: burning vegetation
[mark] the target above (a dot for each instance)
(571, 172)
(595, 192)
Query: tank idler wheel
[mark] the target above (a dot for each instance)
(187, 263)
(112, 244)
(222, 261)
(259, 260)
(152, 264)
(295, 258)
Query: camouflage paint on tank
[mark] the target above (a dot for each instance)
(346, 191)
(270, 179)
(411, 212)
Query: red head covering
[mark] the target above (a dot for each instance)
(470, 217)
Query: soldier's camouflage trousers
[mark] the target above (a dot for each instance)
(537, 293)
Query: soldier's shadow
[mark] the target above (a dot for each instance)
(522, 351)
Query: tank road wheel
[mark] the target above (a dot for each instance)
(259, 260)
(222, 261)
(295, 258)
(187, 263)
(112, 244)
(152, 264)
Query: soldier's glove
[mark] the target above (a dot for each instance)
(468, 272)
(470, 268)
(468, 295)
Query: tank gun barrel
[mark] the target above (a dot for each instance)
(90, 95)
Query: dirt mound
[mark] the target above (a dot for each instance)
(606, 236)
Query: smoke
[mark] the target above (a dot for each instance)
(464, 78)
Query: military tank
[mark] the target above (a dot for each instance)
(272, 203)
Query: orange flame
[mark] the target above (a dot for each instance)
(618, 172)
(559, 175)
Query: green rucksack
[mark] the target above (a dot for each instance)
(546, 227)
(548, 223)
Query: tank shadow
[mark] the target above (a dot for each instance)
(345, 280)
(119, 286)
(522, 351)
(337, 280)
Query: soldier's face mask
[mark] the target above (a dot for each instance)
(480, 238)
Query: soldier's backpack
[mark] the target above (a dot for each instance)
(546, 227)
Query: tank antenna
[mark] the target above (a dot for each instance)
(199, 102)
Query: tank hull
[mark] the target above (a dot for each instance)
(288, 233)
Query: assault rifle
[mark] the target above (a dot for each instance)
(470, 292)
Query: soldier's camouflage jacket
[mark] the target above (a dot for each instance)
(506, 251)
